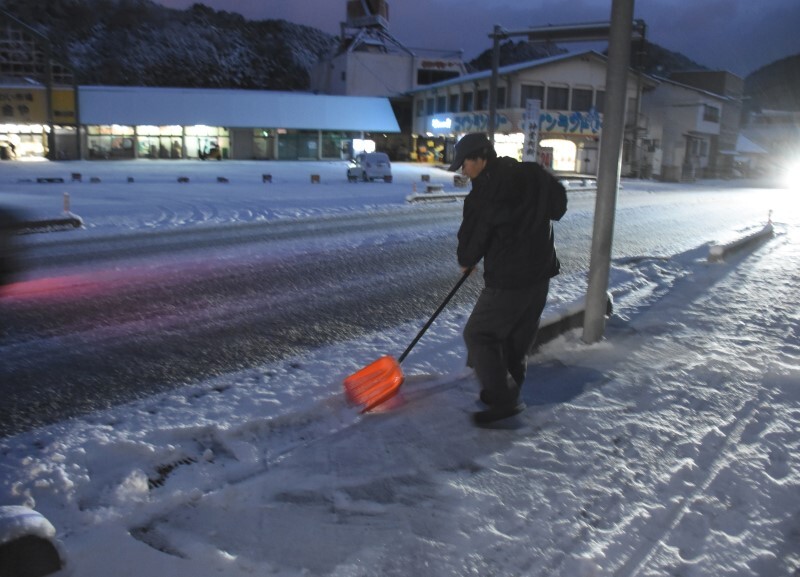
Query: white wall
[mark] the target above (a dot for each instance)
(364, 74)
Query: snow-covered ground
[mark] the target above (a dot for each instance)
(669, 448)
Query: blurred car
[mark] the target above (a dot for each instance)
(369, 166)
(9, 259)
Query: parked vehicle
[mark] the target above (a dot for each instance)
(369, 166)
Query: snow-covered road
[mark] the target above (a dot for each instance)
(136, 304)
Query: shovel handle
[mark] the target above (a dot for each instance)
(435, 314)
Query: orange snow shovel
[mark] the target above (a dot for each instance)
(380, 380)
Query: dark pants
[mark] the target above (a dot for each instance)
(499, 334)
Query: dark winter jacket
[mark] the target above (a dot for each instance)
(507, 223)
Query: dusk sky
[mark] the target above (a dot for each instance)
(735, 35)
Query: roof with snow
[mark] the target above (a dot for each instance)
(134, 106)
(746, 146)
(517, 67)
(510, 69)
(664, 80)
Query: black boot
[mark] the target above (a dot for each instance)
(497, 412)
(502, 404)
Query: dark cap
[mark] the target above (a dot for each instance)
(467, 146)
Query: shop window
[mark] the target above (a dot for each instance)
(501, 97)
(111, 142)
(563, 156)
(441, 104)
(466, 102)
(483, 100)
(201, 140)
(581, 99)
(337, 144)
(453, 103)
(263, 144)
(429, 107)
(531, 92)
(298, 144)
(557, 98)
(600, 101)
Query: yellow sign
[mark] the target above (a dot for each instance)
(64, 106)
(29, 106)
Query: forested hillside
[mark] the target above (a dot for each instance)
(775, 86)
(138, 42)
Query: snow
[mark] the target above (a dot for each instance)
(17, 521)
(668, 448)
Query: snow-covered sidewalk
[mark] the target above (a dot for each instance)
(670, 448)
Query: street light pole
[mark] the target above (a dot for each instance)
(492, 124)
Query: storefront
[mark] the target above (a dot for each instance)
(558, 100)
(32, 122)
(568, 141)
(169, 124)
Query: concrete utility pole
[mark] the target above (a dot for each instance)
(610, 167)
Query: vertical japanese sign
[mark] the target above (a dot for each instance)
(531, 129)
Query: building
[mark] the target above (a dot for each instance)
(723, 147)
(369, 61)
(37, 93)
(777, 134)
(683, 124)
(565, 93)
(166, 123)
(35, 119)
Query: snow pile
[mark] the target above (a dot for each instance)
(17, 521)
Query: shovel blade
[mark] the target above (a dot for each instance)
(377, 382)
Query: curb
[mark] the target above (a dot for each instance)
(571, 318)
(47, 225)
(27, 544)
(718, 252)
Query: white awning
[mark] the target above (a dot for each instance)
(134, 106)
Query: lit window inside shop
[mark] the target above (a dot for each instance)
(159, 141)
(207, 142)
(110, 142)
(20, 141)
